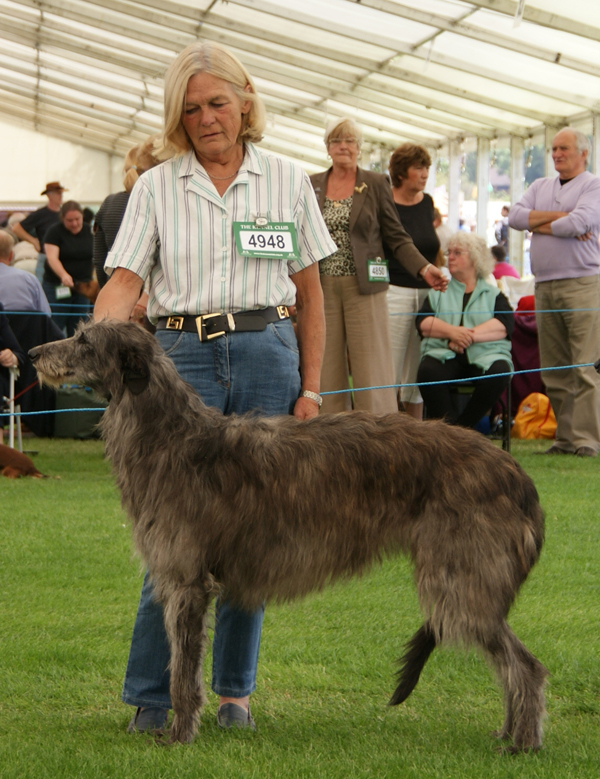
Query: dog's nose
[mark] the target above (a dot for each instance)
(34, 353)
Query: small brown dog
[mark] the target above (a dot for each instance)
(88, 289)
(15, 464)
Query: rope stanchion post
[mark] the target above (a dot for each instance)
(14, 418)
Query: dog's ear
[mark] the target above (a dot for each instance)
(135, 370)
(135, 381)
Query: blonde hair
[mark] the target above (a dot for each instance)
(479, 254)
(138, 160)
(206, 57)
(343, 128)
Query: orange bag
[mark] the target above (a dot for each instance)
(534, 418)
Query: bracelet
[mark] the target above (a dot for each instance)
(312, 396)
(429, 265)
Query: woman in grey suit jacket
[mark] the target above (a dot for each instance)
(359, 211)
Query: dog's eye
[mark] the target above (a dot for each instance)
(82, 338)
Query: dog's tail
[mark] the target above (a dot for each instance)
(413, 661)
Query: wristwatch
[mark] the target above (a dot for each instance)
(312, 396)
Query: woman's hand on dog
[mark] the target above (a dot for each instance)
(305, 408)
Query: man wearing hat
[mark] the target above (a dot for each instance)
(34, 227)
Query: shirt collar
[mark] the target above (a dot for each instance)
(250, 164)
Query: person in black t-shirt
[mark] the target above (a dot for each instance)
(409, 169)
(34, 227)
(68, 246)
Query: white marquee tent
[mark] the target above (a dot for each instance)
(439, 72)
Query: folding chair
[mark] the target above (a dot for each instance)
(461, 393)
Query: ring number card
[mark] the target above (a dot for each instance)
(62, 292)
(262, 238)
(378, 270)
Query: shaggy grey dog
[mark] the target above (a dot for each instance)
(273, 508)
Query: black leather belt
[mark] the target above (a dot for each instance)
(209, 326)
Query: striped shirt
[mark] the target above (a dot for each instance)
(197, 268)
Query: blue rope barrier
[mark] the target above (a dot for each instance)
(488, 311)
(83, 310)
(340, 392)
(86, 309)
(461, 381)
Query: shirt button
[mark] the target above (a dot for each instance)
(223, 278)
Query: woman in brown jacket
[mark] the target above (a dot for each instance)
(359, 211)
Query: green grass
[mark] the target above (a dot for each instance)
(69, 586)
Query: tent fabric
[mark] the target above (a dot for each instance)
(90, 71)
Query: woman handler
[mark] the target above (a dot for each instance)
(239, 236)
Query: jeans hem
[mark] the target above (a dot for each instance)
(229, 692)
(145, 703)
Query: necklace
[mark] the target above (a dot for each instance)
(223, 178)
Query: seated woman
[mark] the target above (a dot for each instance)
(466, 334)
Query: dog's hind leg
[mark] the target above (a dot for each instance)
(523, 678)
(185, 621)
(413, 661)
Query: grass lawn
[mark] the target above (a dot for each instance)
(69, 587)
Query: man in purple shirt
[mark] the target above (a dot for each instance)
(563, 213)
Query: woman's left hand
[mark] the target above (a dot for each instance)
(456, 347)
(305, 408)
(67, 280)
(434, 277)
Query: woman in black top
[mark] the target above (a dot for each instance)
(68, 249)
(11, 356)
(409, 170)
(138, 160)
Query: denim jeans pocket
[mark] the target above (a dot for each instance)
(285, 334)
(170, 341)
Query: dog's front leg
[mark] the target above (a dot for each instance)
(185, 621)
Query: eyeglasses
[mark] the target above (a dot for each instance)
(337, 141)
(456, 252)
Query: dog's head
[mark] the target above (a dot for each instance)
(108, 356)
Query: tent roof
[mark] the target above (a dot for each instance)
(90, 71)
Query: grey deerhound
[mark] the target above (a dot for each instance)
(273, 508)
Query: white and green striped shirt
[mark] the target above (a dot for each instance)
(177, 233)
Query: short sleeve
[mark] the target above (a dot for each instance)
(135, 244)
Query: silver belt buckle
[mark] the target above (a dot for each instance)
(201, 327)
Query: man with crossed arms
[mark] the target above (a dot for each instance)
(563, 213)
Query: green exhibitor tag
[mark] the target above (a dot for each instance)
(266, 239)
(378, 270)
(62, 292)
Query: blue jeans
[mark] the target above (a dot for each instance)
(68, 312)
(235, 373)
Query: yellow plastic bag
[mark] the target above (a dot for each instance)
(534, 418)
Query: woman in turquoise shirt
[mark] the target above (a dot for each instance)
(466, 334)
